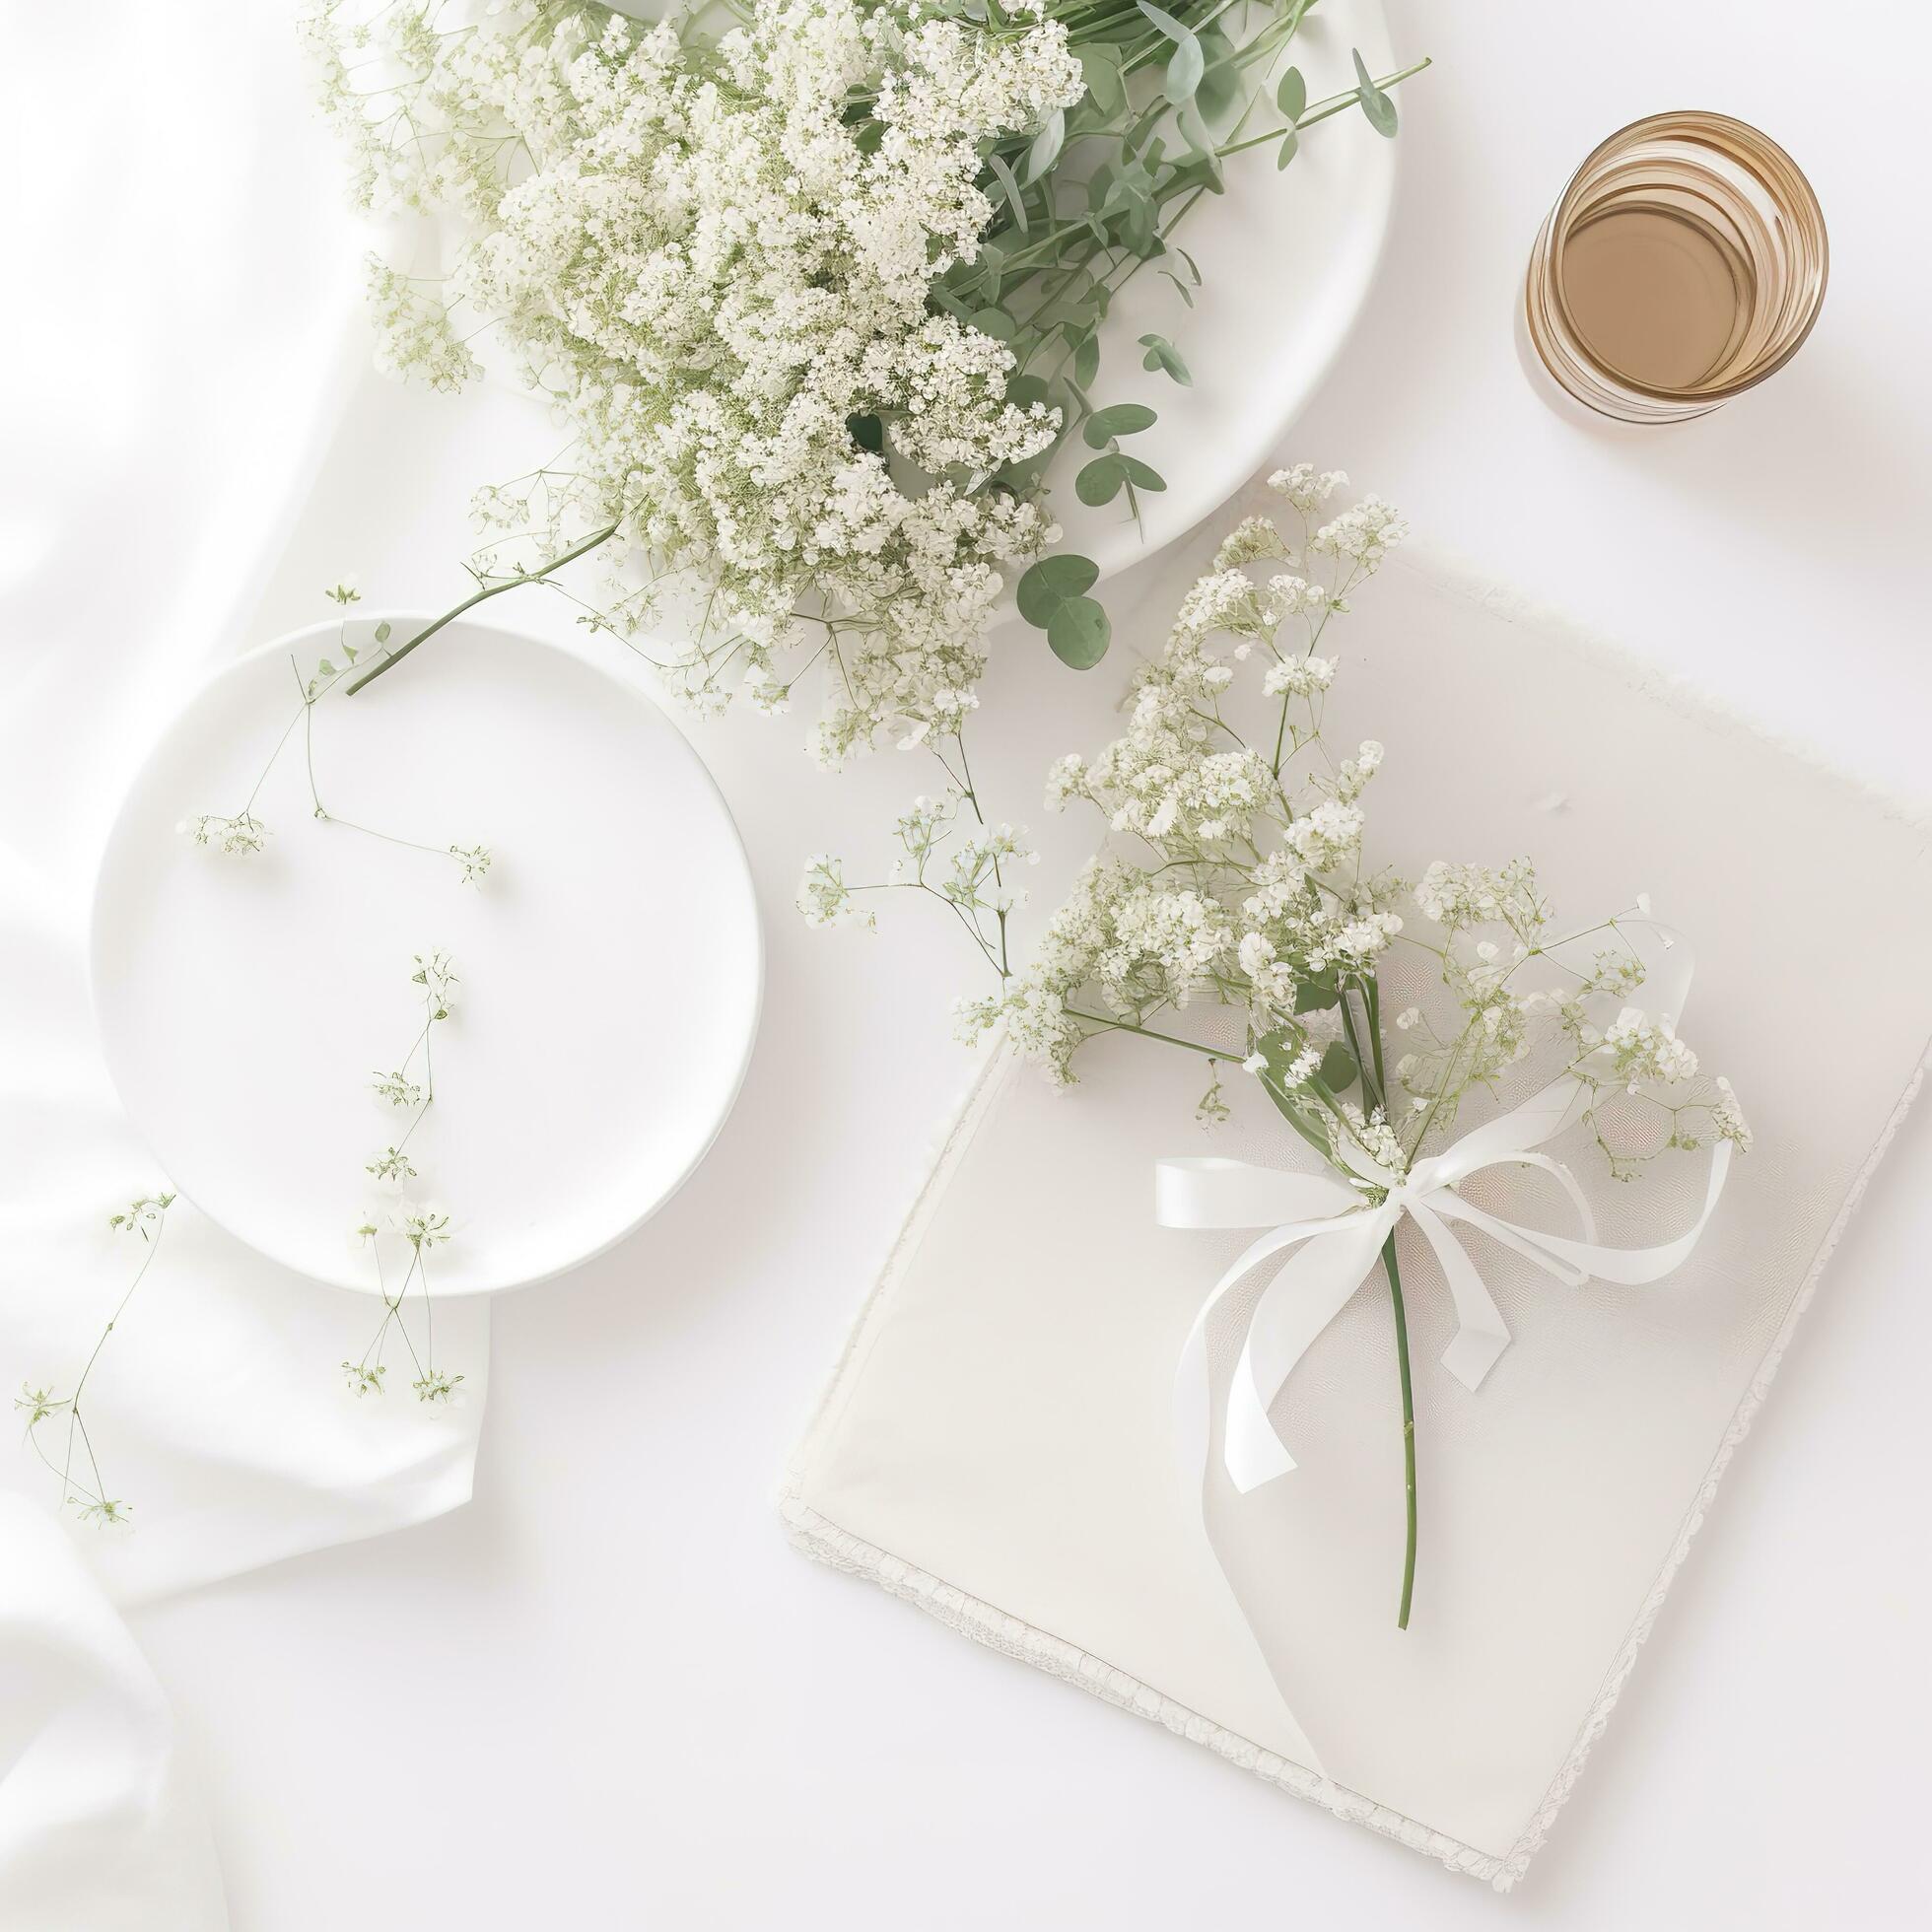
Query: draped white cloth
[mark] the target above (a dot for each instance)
(181, 322)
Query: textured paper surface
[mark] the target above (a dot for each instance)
(999, 1429)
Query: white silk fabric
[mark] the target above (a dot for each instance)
(182, 323)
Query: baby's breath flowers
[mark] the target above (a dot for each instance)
(141, 1219)
(244, 832)
(1235, 873)
(818, 287)
(419, 1226)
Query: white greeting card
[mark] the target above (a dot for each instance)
(998, 1442)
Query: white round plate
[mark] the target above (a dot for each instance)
(609, 967)
(1286, 259)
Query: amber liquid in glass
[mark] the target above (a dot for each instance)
(1657, 295)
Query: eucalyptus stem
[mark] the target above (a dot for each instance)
(489, 591)
(1408, 1426)
(1336, 103)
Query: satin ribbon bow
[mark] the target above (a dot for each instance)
(1337, 1229)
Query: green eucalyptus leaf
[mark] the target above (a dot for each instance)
(994, 323)
(1086, 360)
(867, 431)
(1291, 97)
(383, 632)
(1100, 481)
(1078, 633)
(1337, 1071)
(1101, 65)
(1046, 146)
(1015, 200)
(1379, 110)
(1316, 995)
(1117, 419)
(1162, 354)
(1186, 66)
(1141, 475)
(1023, 391)
(1193, 127)
(1167, 23)
(1291, 144)
(1222, 88)
(1181, 289)
(1053, 582)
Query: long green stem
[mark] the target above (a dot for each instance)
(489, 591)
(1408, 1426)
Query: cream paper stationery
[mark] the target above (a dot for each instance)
(998, 1442)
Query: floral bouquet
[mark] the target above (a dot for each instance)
(817, 287)
(1235, 875)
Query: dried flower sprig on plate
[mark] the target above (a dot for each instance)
(244, 832)
(420, 1227)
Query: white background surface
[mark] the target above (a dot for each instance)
(606, 1693)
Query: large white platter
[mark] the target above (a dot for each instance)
(611, 965)
(1286, 261)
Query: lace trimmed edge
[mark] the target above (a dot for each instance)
(971, 1617)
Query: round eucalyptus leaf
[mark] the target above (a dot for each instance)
(1338, 1071)
(1051, 583)
(1101, 65)
(1079, 633)
(1141, 475)
(1100, 481)
(1117, 419)
(1162, 354)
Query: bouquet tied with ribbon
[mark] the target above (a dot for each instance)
(1235, 875)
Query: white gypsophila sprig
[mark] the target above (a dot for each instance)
(419, 1228)
(76, 1464)
(238, 836)
(1236, 873)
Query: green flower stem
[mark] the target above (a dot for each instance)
(1146, 1033)
(489, 591)
(1408, 1426)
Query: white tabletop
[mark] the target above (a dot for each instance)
(607, 1694)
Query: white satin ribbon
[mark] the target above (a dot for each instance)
(1338, 1229)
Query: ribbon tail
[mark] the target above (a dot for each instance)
(1295, 1307)
(1193, 1385)
(1633, 1268)
(1480, 1334)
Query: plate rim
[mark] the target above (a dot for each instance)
(1189, 510)
(97, 896)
